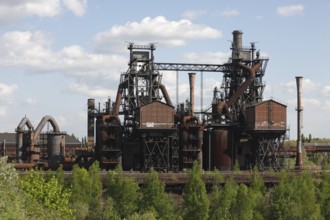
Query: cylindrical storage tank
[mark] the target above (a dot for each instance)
(219, 145)
(55, 146)
(90, 122)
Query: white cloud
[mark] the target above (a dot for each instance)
(307, 86)
(158, 29)
(193, 14)
(7, 90)
(3, 111)
(311, 102)
(229, 12)
(207, 57)
(326, 90)
(31, 51)
(290, 10)
(327, 105)
(6, 97)
(78, 7)
(12, 10)
(31, 101)
(96, 91)
(45, 8)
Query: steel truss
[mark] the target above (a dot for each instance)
(270, 152)
(160, 150)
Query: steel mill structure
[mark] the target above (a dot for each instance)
(36, 148)
(142, 128)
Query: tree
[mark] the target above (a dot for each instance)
(124, 191)
(59, 175)
(324, 194)
(155, 199)
(257, 194)
(16, 203)
(51, 194)
(80, 198)
(222, 200)
(95, 190)
(294, 197)
(109, 211)
(196, 202)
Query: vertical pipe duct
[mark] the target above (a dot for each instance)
(299, 161)
(192, 91)
(90, 122)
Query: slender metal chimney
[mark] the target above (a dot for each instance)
(192, 91)
(90, 122)
(299, 161)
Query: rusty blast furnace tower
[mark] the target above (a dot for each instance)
(142, 129)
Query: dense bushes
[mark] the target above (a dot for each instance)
(36, 196)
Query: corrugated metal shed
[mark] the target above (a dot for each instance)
(266, 115)
(155, 115)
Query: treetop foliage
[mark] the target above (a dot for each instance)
(38, 195)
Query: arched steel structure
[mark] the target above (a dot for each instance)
(42, 124)
(19, 137)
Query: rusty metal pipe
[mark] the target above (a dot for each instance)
(165, 94)
(246, 84)
(119, 95)
(24, 121)
(43, 122)
(118, 100)
(19, 136)
(192, 91)
(114, 119)
(190, 118)
(221, 108)
(299, 159)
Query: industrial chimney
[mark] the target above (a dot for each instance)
(299, 161)
(90, 122)
(192, 91)
(237, 44)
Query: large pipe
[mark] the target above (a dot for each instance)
(42, 124)
(24, 121)
(19, 136)
(299, 161)
(119, 95)
(192, 91)
(165, 94)
(252, 73)
(223, 107)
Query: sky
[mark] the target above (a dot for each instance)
(56, 54)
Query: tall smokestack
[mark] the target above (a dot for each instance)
(237, 44)
(192, 91)
(299, 161)
(90, 122)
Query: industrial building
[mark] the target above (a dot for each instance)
(143, 129)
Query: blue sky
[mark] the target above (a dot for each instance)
(55, 54)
